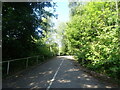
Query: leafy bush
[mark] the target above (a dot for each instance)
(93, 36)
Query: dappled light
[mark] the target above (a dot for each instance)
(64, 81)
(61, 44)
(72, 77)
(78, 77)
(73, 69)
(45, 73)
(31, 84)
(69, 76)
(33, 77)
(90, 86)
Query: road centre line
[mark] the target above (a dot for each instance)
(51, 81)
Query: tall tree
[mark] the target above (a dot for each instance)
(93, 36)
(20, 22)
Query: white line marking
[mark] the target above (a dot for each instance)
(51, 81)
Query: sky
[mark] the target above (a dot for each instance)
(62, 10)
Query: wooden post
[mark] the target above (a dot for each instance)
(8, 67)
(37, 59)
(27, 63)
(43, 57)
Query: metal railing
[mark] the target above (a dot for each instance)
(27, 61)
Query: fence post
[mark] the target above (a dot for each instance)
(37, 59)
(27, 63)
(8, 67)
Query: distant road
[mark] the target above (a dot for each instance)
(59, 72)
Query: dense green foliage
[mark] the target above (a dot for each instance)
(25, 29)
(61, 37)
(20, 34)
(93, 36)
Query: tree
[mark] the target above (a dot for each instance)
(20, 22)
(93, 38)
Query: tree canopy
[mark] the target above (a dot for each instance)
(20, 32)
(93, 36)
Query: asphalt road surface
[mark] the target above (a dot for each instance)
(59, 72)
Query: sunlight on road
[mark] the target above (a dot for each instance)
(66, 57)
(90, 86)
(108, 86)
(64, 81)
(59, 73)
